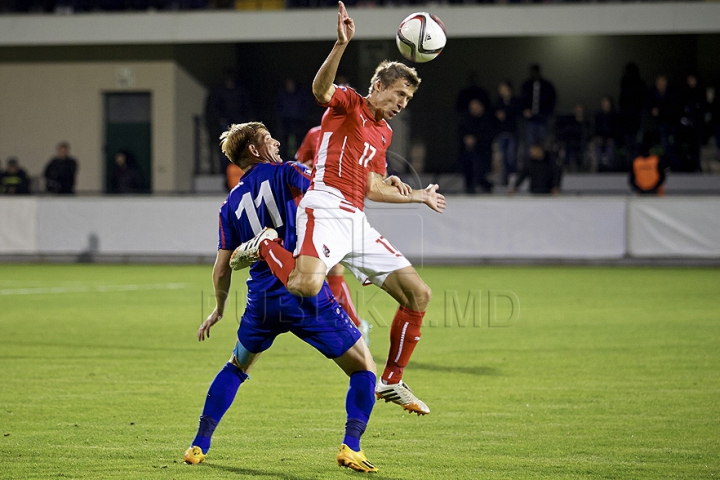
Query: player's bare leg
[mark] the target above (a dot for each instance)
(307, 277)
(341, 292)
(413, 295)
(302, 276)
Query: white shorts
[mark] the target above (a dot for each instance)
(332, 229)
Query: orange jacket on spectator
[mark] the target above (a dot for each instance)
(647, 175)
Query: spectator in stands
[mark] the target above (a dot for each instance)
(473, 91)
(543, 171)
(573, 132)
(126, 176)
(476, 137)
(14, 180)
(606, 131)
(292, 108)
(226, 104)
(60, 171)
(647, 174)
(507, 112)
(538, 102)
(692, 124)
(631, 104)
(663, 110)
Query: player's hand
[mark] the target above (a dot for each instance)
(346, 26)
(204, 330)
(403, 187)
(432, 199)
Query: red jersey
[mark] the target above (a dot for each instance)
(309, 146)
(352, 144)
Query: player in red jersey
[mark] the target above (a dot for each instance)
(306, 154)
(308, 148)
(331, 225)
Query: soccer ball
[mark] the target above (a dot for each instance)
(421, 37)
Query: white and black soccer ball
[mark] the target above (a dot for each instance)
(421, 37)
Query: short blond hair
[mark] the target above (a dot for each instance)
(388, 72)
(235, 140)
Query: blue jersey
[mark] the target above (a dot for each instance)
(266, 196)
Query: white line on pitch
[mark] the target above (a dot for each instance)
(97, 288)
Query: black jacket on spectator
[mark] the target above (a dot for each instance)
(544, 175)
(607, 124)
(547, 100)
(512, 114)
(60, 175)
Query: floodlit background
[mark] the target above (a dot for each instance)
(569, 336)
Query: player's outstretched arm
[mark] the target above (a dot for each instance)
(382, 191)
(323, 87)
(432, 198)
(221, 282)
(396, 182)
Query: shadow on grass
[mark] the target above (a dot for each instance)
(433, 367)
(255, 473)
(262, 473)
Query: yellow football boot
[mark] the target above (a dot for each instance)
(193, 456)
(349, 458)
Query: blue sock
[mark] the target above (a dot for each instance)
(219, 398)
(358, 404)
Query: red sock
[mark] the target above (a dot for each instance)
(280, 261)
(341, 292)
(404, 335)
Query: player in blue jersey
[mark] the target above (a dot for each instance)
(267, 196)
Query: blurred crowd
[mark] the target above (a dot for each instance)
(505, 135)
(71, 6)
(523, 127)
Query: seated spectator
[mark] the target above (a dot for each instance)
(647, 172)
(60, 171)
(543, 171)
(126, 176)
(14, 180)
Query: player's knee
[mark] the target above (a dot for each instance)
(423, 294)
(304, 285)
(371, 367)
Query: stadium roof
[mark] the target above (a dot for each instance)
(374, 23)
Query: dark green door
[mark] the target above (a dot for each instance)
(128, 129)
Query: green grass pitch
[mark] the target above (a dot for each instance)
(606, 373)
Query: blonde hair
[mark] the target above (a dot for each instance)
(388, 72)
(235, 140)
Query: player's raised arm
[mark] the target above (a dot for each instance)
(323, 87)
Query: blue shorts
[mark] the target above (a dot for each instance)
(318, 320)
